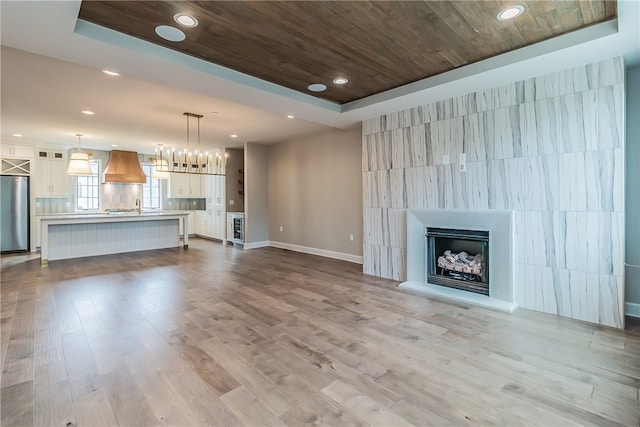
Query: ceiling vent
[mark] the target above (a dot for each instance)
(124, 167)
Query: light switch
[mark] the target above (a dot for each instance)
(463, 162)
(231, 202)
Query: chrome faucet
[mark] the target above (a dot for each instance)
(138, 206)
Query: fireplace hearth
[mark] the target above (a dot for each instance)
(458, 259)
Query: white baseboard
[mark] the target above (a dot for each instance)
(632, 309)
(320, 252)
(255, 245)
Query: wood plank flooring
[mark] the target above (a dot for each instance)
(221, 336)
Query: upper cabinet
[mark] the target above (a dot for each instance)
(16, 159)
(195, 186)
(185, 186)
(50, 173)
(215, 190)
(17, 151)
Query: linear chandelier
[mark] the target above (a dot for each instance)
(188, 161)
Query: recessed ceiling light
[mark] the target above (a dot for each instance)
(510, 13)
(233, 135)
(317, 87)
(17, 135)
(185, 20)
(114, 145)
(340, 80)
(172, 34)
(111, 73)
(87, 112)
(291, 116)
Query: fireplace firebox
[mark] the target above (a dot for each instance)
(458, 259)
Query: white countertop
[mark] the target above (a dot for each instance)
(110, 216)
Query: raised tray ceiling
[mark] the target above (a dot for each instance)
(377, 45)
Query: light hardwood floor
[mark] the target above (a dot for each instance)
(266, 337)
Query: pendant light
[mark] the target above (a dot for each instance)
(79, 162)
(160, 166)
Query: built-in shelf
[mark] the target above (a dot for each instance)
(241, 182)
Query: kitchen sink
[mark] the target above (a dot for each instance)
(121, 211)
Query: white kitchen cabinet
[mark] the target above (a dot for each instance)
(215, 190)
(202, 223)
(217, 223)
(229, 227)
(211, 223)
(178, 185)
(50, 174)
(17, 151)
(195, 186)
(215, 193)
(185, 186)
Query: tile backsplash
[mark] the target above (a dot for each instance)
(49, 206)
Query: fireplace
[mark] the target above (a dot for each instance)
(482, 238)
(458, 259)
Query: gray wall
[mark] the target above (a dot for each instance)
(315, 192)
(235, 163)
(256, 201)
(632, 206)
(550, 148)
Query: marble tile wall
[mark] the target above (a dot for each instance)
(549, 148)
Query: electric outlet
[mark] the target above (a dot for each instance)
(37, 204)
(445, 159)
(351, 237)
(281, 229)
(68, 204)
(231, 202)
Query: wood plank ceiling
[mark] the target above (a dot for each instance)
(376, 45)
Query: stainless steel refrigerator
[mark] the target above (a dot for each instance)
(14, 213)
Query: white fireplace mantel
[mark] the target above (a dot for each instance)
(500, 226)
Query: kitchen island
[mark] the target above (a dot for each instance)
(82, 235)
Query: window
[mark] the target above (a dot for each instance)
(150, 190)
(88, 189)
